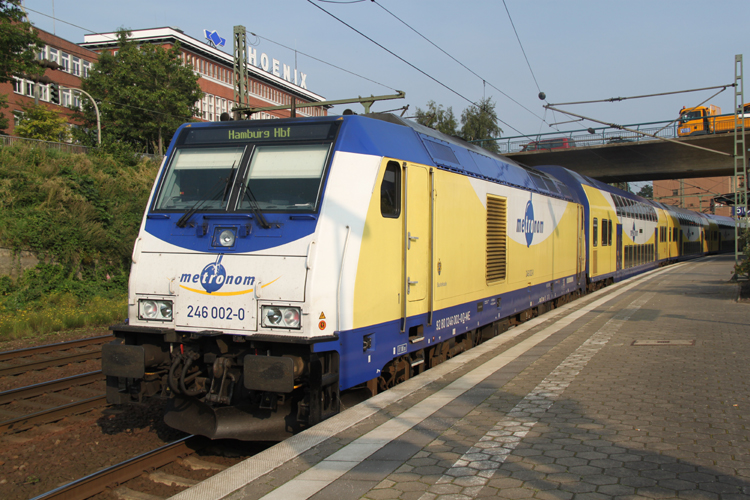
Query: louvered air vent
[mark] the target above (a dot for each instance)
(496, 238)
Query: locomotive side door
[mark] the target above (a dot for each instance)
(417, 240)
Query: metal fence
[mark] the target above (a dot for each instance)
(585, 137)
(9, 140)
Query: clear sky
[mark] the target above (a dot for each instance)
(577, 49)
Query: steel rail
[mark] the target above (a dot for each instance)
(39, 365)
(30, 351)
(97, 482)
(47, 387)
(53, 414)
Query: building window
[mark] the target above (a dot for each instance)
(17, 85)
(42, 54)
(65, 62)
(30, 88)
(65, 98)
(76, 66)
(86, 68)
(53, 55)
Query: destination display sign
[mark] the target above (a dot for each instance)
(265, 133)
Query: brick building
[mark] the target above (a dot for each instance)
(695, 194)
(271, 83)
(75, 63)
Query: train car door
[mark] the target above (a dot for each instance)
(417, 240)
(618, 251)
(581, 250)
(656, 244)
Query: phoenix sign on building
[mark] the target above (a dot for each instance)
(271, 81)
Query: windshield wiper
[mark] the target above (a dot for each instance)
(227, 186)
(255, 208)
(199, 204)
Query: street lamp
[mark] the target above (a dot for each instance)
(96, 108)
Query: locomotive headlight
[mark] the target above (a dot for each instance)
(156, 310)
(281, 317)
(165, 308)
(224, 237)
(148, 309)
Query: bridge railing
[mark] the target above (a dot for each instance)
(585, 137)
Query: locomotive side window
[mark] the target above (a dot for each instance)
(199, 176)
(604, 232)
(390, 191)
(609, 238)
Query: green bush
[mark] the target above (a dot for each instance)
(744, 246)
(80, 215)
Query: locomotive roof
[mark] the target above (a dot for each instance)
(454, 154)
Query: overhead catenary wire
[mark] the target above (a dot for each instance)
(701, 104)
(484, 82)
(394, 54)
(410, 64)
(522, 49)
(262, 37)
(325, 62)
(639, 132)
(661, 94)
(66, 22)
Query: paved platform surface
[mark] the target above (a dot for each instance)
(640, 390)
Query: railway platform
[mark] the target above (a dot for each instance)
(640, 390)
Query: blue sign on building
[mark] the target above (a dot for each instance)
(214, 38)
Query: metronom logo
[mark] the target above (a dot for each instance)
(214, 276)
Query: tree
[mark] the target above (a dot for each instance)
(480, 122)
(435, 117)
(19, 43)
(646, 191)
(3, 119)
(40, 122)
(144, 92)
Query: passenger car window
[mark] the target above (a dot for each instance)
(596, 231)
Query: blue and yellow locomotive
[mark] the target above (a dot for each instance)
(282, 262)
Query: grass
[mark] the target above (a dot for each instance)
(61, 312)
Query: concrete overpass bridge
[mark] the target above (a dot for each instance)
(612, 155)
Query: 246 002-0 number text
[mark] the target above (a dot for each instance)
(206, 312)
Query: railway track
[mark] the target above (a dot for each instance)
(16, 362)
(182, 453)
(52, 413)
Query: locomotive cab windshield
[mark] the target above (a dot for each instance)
(247, 168)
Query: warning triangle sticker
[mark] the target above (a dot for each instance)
(322, 316)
